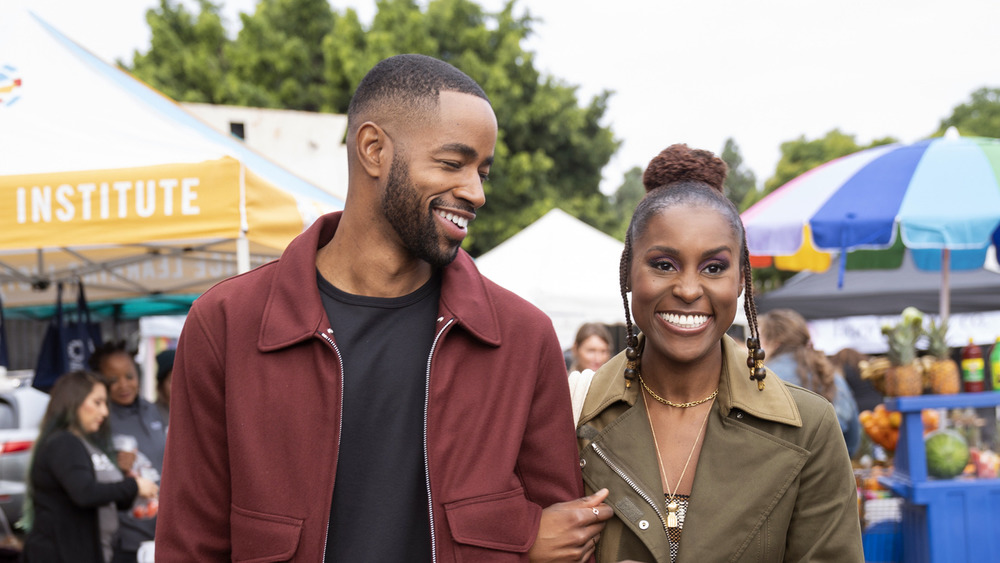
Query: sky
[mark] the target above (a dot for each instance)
(761, 72)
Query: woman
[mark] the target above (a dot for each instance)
(591, 347)
(73, 485)
(135, 421)
(793, 359)
(677, 427)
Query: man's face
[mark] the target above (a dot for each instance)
(435, 184)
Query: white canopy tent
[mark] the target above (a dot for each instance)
(563, 266)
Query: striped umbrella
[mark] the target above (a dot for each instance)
(939, 198)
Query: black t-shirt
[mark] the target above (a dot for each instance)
(380, 510)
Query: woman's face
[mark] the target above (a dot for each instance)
(686, 281)
(123, 380)
(592, 353)
(93, 410)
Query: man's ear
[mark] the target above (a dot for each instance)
(373, 147)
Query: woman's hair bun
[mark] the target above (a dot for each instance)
(680, 163)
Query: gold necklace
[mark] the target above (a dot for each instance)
(670, 403)
(672, 495)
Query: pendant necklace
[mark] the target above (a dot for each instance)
(672, 495)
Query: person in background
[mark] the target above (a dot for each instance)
(139, 435)
(73, 486)
(591, 347)
(164, 371)
(707, 455)
(370, 396)
(865, 394)
(785, 334)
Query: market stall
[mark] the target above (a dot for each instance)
(106, 180)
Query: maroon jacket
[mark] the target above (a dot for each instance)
(255, 419)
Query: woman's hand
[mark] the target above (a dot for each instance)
(147, 488)
(569, 531)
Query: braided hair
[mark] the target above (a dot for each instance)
(680, 175)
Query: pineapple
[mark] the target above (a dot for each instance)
(903, 377)
(943, 371)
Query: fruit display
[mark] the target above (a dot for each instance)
(984, 464)
(882, 425)
(903, 377)
(947, 453)
(941, 372)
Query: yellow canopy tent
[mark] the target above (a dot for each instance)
(103, 179)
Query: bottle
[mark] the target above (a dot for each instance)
(995, 365)
(973, 368)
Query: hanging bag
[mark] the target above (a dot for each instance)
(67, 344)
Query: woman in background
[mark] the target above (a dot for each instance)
(591, 349)
(792, 357)
(138, 422)
(73, 485)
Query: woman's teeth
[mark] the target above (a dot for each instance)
(684, 321)
(462, 222)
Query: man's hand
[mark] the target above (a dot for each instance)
(569, 530)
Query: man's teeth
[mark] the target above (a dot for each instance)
(460, 221)
(684, 321)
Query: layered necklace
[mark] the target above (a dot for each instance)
(672, 505)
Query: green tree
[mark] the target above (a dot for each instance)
(624, 200)
(550, 149)
(741, 180)
(277, 57)
(980, 116)
(185, 60)
(300, 54)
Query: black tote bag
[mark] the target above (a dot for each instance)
(68, 343)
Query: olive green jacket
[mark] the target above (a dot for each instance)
(773, 483)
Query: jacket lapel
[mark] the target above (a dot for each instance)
(736, 463)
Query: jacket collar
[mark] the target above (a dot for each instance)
(736, 389)
(294, 310)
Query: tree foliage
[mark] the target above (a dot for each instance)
(801, 155)
(741, 180)
(186, 57)
(301, 54)
(626, 197)
(979, 117)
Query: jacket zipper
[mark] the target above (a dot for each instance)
(340, 428)
(427, 470)
(632, 484)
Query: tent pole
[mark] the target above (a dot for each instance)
(945, 306)
(242, 253)
(242, 242)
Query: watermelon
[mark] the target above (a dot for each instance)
(947, 453)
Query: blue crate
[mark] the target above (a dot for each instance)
(883, 542)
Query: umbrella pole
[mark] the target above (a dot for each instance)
(945, 305)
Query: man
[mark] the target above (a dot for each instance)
(370, 396)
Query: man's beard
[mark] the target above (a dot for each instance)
(416, 226)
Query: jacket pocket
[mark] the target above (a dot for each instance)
(493, 527)
(262, 538)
